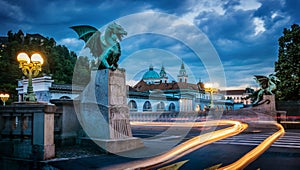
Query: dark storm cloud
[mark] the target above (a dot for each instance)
(54, 16)
(244, 32)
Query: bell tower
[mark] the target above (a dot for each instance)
(182, 76)
(163, 75)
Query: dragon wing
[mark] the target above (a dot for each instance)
(91, 36)
(84, 31)
(262, 81)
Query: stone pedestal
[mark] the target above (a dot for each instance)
(111, 99)
(104, 114)
(269, 107)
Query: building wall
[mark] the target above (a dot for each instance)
(154, 103)
(184, 100)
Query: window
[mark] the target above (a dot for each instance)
(132, 105)
(147, 106)
(172, 107)
(63, 97)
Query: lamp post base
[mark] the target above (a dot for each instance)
(30, 97)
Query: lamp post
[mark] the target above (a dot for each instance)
(30, 68)
(4, 97)
(211, 88)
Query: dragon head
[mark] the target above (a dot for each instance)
(116, 32)
(273, 78)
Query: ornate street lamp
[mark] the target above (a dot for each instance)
(4, 97)
(30, 68)
(211, 88)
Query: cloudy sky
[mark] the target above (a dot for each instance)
(224, 41)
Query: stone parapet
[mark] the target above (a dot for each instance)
(28, 130)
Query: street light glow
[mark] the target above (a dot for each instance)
(37, 58)
(4, 97)
(211, 85)
(23, 58)
(211, 88)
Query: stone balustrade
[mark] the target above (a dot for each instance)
(167, 116)
(27, 131)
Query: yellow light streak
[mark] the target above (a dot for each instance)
(188, 146)
(257, 151)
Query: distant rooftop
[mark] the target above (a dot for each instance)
(3, 40)
(142, 86)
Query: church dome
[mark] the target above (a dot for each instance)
(151, 74)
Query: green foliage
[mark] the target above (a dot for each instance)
(58, 61)
(81, 74)
(287, 67)
(60, 64)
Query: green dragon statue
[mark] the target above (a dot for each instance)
(105, 48)
(267, 86)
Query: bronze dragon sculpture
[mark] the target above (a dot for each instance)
(105, 48)
(267, 86)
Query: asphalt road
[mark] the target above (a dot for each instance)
(205, 157)
(214, 154)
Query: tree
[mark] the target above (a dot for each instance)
(60, 63)
(287, 67)
(81, 74)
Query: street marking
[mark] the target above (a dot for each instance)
(286, 141)
(213, 167)
(286, 146)
(174, 166)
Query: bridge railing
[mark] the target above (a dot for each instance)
(16, 124)
(168, 116)
(26, 130)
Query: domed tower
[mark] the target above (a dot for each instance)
(163, 74)
(151, 76)
(182, 76)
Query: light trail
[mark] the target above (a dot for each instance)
(186, 147)
(257, 151)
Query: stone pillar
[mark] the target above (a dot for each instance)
(43, 133)
(103, 112)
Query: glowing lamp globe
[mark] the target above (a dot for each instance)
(23, 58)
(37, 58)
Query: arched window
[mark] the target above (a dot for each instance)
(172, 107)
(65, 97)
(147, 106)
(132, 105)
(161, 106)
